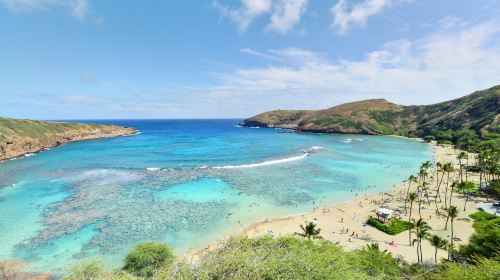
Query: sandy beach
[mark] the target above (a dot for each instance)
(344, 223)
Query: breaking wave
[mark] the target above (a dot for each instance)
(264, 163)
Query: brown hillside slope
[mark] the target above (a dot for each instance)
(18, 137)
(478, 111)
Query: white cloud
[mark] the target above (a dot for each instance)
(78, 9)
(445, 64)
(286, 14)
(249, 10)
(283, 14)
(344, 18)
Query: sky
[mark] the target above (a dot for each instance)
(136, 59)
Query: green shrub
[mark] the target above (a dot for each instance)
(481, 216)
(468, 187)
(429, 138)
(444, 142)
(146, 258)
(486, 240)
(376, 263)
(484, 269)
(392, 227)
(494, 188)
(281, 258)
(84, 271)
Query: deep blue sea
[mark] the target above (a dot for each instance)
(183, 182)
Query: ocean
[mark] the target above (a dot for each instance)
(183, 182)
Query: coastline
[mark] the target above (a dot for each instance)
(351, 215)
(34, 146)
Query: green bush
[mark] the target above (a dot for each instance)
(444, 142)
(89, 270)
(290, 257)
(429, 138)
(376, 263)
(281, 258)
(146, 258)
(486, 240)
(484, 269)
(482, 216)
(494, 188)
(392, 227)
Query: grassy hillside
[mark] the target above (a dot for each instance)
(18, 137)
(478, 111)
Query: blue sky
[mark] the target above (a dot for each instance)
(89, 59)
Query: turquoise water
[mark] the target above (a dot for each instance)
(184, 182)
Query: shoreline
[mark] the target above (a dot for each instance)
(351, 215)
(61, 140)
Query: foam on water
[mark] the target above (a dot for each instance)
(264, 163)
(153, 169)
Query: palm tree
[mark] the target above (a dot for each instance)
(373, 247)
(460, 157)
(423, 175)
(411, 179)
(438, 243)
(426, 165)
(412, 197)
(309, 231)
(452, 213)
(465, 186)
(421, 230)
(449, 248)
(448, 168)
(439, 168)
(453, 185)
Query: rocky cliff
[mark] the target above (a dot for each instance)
(478, 111)
(18, 137)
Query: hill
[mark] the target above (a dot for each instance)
(478, 111)
(18, 137)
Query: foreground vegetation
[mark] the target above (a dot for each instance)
(286, 257)
(308, 257)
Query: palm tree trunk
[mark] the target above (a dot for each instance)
(439, 187)
(436, 256)
(418, 254)
(446, 191)
(421, 254)
(461, 176)
(409, 221)
(466, 165)
(406, 198)
(451, 234)
(451, 195)
(420, 206)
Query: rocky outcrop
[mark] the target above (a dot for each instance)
(19, 137)
(478, 111)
